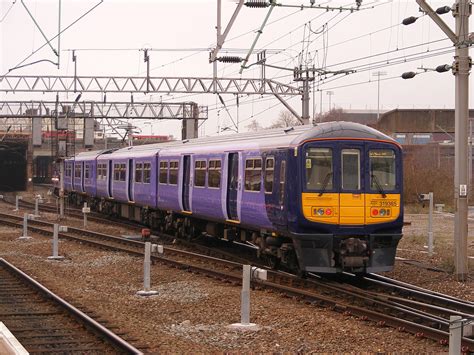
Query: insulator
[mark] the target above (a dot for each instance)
(229, 59)
(442, 68)
(409, 20)
(443, 10)
(257, 3)
(408, 75)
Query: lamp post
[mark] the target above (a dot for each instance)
(151, 127)
(329, 93)
(378, 74)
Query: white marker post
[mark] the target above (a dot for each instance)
(17, 199)
(455, 332)
(38, 200)
(247, 274)
(25, 227)
(85, 211)
(430, 226)
(56, 230)
(146, 269)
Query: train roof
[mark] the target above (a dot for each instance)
(92, 154)
(271, 138)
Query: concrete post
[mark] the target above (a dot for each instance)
(461, 12)
(55, 255)
(25, 227)
(37, 199)
(430, 227)
(85, 211)
(247, 274)
(245, 296)
(17, 203)
(455, 332)
(146, 273)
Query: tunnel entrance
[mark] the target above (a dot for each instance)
(13, 167)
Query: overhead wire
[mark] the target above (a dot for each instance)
(7, 12)
(379, 67)
(62, 31)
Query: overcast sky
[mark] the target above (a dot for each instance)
(364, 41)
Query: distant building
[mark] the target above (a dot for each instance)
(419, 126)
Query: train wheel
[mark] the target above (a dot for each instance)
(302, 274)
(272, 261)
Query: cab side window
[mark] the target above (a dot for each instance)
(253, 174)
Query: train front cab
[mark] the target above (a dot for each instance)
(351, 214)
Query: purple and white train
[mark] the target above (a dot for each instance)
(324, 198)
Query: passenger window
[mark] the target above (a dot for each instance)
(163, 172)
(253, 174)
(116, 172)
(138, 172)
(200, 173)
(382, 169)
(101, 171)
(174, 165)
(319, 169)
(146, 173)
(350, 169)
(87, 171)
(214, 179)
(282, 181)
(269, 174)
(123, 172)
(77, 171)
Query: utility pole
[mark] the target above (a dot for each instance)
(305, 75)
(378, 74)
(462, 64)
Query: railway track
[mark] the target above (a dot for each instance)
(218, 252)
(412, 309)
(45, 323)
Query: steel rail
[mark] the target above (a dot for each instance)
(98, 329)
(285, 279)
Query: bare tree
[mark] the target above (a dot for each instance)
(254, 126)
(285, 119)
(335, 114)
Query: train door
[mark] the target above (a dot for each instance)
(186, 182)
(232, 186)
(281, 190)
(109, 178)
(130, 180)
(351, 197)
(83, 176)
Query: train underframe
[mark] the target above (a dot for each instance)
(276, 251)
(300, 253)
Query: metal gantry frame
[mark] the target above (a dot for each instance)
(135, 84)
(108, 110)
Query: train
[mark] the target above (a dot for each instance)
(322, 199)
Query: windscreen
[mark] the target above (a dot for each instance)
(319, 169)
(382, 169)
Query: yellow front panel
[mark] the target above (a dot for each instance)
(351, 207)
(327, 202)
(391, 204)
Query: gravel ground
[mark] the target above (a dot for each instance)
(191, 313)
